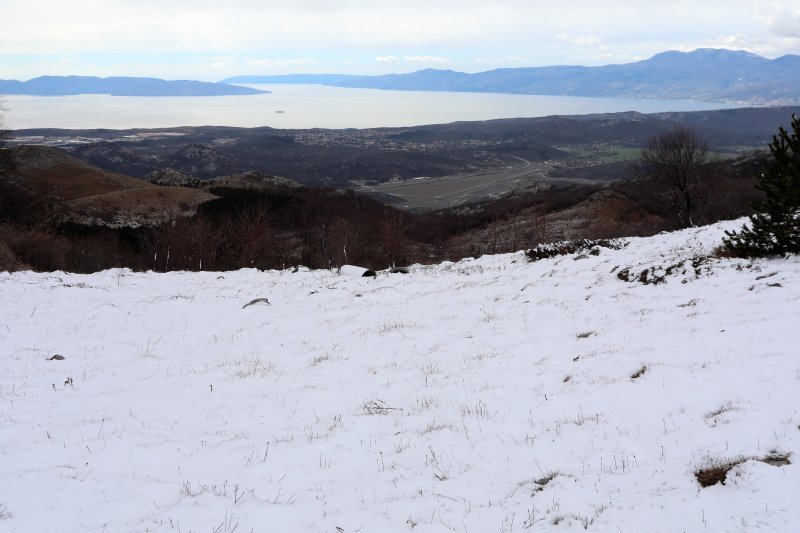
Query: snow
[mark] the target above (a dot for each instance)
(440, 400)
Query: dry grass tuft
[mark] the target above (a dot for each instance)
(717, 472)
(723, 408)
(543, 481)
(639, 373)
(776, 458)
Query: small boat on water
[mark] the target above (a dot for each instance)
(280, 111)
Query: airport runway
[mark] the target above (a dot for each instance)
(449, 191)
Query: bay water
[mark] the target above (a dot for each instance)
(311, 106)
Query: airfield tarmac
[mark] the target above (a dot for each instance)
(424, 194)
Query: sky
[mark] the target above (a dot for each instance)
(212, 40)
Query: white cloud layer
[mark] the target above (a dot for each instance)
(266, 62)
(426, 59)
(780, 18)
(300, 35)
(412, 59)
(589, 41)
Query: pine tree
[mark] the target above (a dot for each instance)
(775, 226)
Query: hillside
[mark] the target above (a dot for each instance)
(709, 75)
(605, 213)
(91, 193)
(591, 391)
(120, 86)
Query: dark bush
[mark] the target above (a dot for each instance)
(592, 247)
(42, 249)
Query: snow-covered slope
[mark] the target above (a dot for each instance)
(483, 396)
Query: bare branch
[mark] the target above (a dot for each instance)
(680, 168)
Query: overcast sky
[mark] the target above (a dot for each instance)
(211, 40)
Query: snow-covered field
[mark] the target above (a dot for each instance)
(490, 395)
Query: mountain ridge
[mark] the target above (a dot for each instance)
(705, 74)
(120, 86)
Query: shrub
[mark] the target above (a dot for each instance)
(775, 226)
(8, 261)
(545, 251)
(39, 248)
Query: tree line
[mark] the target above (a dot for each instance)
(687, 180)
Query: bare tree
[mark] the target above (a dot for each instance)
(157, 242)
(344, 237)
(393, 235)
(201, 240)
(536, 227)
(250, 237)
(6, 161)
(681, 170)
(315, 226)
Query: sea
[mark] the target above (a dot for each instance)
(311, 106)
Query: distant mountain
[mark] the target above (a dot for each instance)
(120, 86)
(709, 75)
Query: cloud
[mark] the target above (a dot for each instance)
(501, 61)
(426, 59)
(295, 36)
(779, 18)
(411, 59)
(84, 26)
(301, 62)
(266, 62)
(589, 41)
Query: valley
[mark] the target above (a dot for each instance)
(223, 198)
(577, 149)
